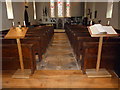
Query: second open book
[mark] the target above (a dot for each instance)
(99, 29)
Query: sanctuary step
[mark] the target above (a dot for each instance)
(59, 30)
(58, 79)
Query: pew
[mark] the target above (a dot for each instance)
(110, 55)
(45, 33)
(35, 42)
(32, 40)
(85, 48)
(10, 57)
(38, 33)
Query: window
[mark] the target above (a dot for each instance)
(9, 9)
(34, 10)
(60, 8)
(109, 9)
(52, 7)
(67, 8)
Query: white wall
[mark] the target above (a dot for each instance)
(39, 9)
(31, 12)
(119, 15)
(76, 9)
(89, 6)
(18, 11)
(0, 15)
(101, 8)
(114, 19)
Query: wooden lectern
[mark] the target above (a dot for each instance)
(19, 33)
(110, 32)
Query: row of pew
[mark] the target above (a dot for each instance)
(85, 48)
(35, 43)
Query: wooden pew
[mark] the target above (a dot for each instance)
(45, 33)
(10, 57)
(110, 55)
(32, 40)
(79, 38)
(36, 40)
(38, 34)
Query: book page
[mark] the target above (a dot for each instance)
(94, 30)
(109, 30)
(99, 27)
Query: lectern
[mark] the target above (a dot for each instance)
(19, 33)
(100, 31)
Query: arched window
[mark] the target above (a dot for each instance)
(60, 8)
(9, 9)
(109, 9)
(34, 7)
(52, 8)
(68, 8)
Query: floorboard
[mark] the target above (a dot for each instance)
(58, 79)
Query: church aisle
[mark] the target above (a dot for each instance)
(59, 55)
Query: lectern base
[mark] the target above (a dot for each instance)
(19, 74)
(100, 73)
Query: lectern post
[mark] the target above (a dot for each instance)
(20, 54)
(17, 33)
(98, 72)
(99, 53)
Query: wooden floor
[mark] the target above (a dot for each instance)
(58, 79)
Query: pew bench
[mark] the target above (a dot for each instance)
(10, 57)
(110, 55)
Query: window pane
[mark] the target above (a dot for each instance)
(52, 8)
(60, 8)
(109, 10)
(67, 8)
(34, 9)
(9, 9)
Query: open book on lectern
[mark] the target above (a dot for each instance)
(99, 29)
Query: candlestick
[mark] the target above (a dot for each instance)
(108, 23)
(90, 22)
(24, 23)
(13, 24)
(19, 26)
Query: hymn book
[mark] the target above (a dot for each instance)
(99, 29)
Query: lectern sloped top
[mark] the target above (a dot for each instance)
(98, 30)
(15, 33)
